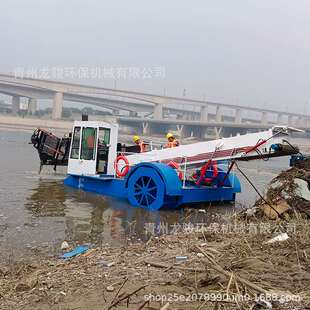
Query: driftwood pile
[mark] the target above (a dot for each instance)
(288, 194)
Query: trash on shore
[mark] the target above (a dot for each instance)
(281, 237)
(110, 288)
(181, 258)
(227, 265)
(104, 263)
(64, 245)
(264, 303)
(287, 195)
(76, 251)
(27, 283)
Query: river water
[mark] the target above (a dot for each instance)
(37, 210)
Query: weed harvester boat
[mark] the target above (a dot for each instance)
(185, 175)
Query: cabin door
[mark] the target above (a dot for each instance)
(103, 150)
(83, 155)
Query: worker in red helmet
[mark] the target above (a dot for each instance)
(142, 145)
(172, 141)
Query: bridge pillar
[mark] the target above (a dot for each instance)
(158, 111)
(32, 106)
(15, 104)
(204, 113)
(217, 132)
(264, 119)
(300, 121)
(204, 132)
(238, 116)
(186, 131)
(133, 114)
(290, 120)
(146, 130)
(280, 119)
(57, 105)
(180, 130)
(218, 114)
(307, 122)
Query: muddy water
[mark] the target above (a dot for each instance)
(38, 210)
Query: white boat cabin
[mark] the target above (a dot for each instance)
(93, 148)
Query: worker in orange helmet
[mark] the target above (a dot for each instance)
(142, 145)
(172, 141)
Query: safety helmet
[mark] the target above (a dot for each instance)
(169, 135)
(135, 138)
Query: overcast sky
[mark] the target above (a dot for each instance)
(248, 52)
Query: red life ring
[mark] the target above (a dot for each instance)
(124, 171)
(203, 171)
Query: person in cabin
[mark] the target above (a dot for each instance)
(172, 141)
(141, 143)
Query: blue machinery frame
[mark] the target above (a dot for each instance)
(155, 185)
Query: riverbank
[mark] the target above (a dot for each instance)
(228, 264)
(29, 124)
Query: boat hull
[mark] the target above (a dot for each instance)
(154, 186)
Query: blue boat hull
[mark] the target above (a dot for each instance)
(154, 185)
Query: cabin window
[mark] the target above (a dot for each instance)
(76, 143)
(88, 143)
(104, 136)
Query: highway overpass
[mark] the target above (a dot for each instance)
(139, 104)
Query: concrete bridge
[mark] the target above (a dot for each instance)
(138, 104)
(188, 128)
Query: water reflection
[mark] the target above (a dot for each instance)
(48, 199)
(89, 217)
